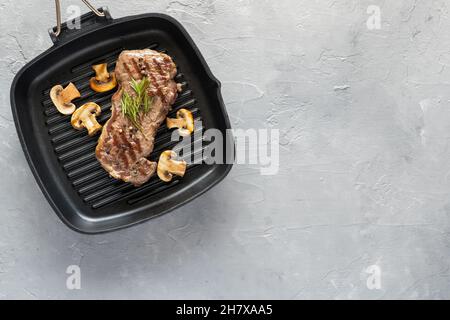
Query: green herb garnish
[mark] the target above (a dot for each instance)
(133, 106)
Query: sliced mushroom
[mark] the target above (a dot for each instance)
(103, 81)
(85, 117)
(184, 122)
(62, 98)
(168, 167)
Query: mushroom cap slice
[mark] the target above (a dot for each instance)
(62, 98)
(101, 72)
(85, 117)
(184, 122)
(168, 167)
(103, 81)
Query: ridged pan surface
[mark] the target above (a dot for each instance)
(63, 159)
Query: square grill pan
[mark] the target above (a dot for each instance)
(63, 160)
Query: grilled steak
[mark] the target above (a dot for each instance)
(122, 148)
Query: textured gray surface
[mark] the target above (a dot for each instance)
(365, 161)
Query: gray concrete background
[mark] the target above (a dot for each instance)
(365, 161)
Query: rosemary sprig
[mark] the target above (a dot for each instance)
(134, 106)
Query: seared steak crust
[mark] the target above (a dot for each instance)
(122, 148)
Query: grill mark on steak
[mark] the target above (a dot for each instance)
(136, 67)
(161, 74)
(158, 66)
(138, 146)
(122, 149)
(153, 80)
(156, 81)
(141, 170)
(125, 146)
(127, 67)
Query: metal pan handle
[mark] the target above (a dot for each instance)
(98, 14)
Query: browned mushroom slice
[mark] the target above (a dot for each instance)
(85, 117)
(168, 166)
(184, 122)
(103, 80)
(62, 98)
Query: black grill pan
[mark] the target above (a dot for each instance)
(62, 159)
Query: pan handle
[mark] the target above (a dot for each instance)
(61, 30)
